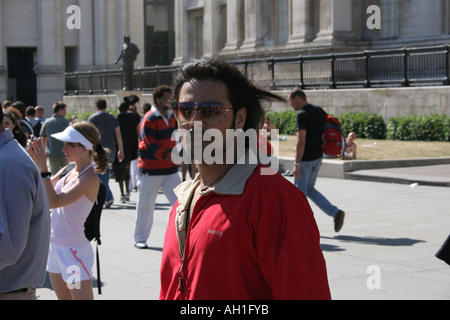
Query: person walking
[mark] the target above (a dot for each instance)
(239, 230)
(129, 128)
(132, 101)
(56, 123)
(71, 199)
(109, 129)
(309, 155)
(156, 169)
(24, 221)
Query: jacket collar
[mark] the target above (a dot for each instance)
(233, 183)
(156, 112)
(5, 137)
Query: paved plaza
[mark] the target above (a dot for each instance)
(385, 251)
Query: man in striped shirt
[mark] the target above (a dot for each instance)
(156, 169)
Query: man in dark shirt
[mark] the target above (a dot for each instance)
(56, 123)
(308, 160)
(109, 129)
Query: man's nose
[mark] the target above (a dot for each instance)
(195, 118)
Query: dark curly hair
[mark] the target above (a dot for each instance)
(242, 93)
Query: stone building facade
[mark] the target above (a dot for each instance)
(249, 28)
(37, 46)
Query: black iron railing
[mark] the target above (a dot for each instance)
(406, 67)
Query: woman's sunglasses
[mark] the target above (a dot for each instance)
(209, 112)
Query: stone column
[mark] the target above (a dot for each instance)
(344, 22)
(253, 25)
(114, 38)
(136, 29)
(96, 32)
(302, 22)
(446, 22)
(181, 32)
(50, 44)
(211, 28)
(326, 21)
(103, 32)
(86, 41)
(235, 24)
(50, 52)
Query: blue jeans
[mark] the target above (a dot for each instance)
(309, 170)
(104, 178)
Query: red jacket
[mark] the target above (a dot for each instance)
(253, 237)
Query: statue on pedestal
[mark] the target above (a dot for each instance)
(128, 55)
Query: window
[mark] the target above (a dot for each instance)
(389, 19)
(282, 21)
(159, 32)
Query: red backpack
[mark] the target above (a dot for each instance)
(333, 141)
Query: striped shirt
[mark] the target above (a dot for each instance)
(155, 144)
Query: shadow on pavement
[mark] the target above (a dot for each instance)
(390, 242)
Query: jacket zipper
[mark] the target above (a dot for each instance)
(180, 279)
(180, 276)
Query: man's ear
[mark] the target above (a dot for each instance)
(241, 117)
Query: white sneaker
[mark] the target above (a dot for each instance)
(141, 245)
(109, 203)
(123, 199)
(127, 196)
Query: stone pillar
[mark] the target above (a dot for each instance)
(50, 52)
(446, 11)
(211, 27)
(181, 32)
(235, 24)
(103, 33)
(50, 44)
(302, 22)
(114, 38)
(96, 29)
(253, 25)
(86, 41)
(325, 21)
(344, 22)
(136, 29)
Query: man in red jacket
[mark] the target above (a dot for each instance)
(237, 231)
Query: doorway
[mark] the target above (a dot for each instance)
(21, 75)
(159, 32)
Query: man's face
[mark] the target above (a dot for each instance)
(164, 102)
(215, 93)
(296, 102)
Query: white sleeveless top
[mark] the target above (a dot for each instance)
(68, 222)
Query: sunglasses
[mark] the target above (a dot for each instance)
(209, 112)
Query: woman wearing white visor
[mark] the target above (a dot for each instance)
(71, 199)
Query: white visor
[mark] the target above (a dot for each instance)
(74, 136)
